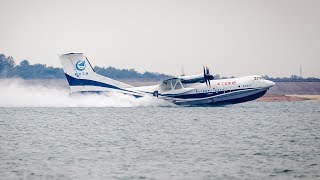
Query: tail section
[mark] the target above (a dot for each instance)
(81, 76)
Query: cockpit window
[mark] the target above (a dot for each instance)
(178, 86)
(258, 78)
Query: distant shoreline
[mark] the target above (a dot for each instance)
(288, 98)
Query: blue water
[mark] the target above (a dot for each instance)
(254, 140)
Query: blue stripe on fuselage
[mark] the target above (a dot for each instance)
(85, 82)
(101, 92)
(204, 95)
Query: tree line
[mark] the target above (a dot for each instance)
(25, 70)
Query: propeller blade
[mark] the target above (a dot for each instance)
(205, 75)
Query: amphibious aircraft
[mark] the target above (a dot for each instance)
(192, 90)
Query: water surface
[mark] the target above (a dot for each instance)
(252, 140)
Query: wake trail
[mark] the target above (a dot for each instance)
(18, 93)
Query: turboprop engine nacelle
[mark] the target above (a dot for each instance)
(198, 78)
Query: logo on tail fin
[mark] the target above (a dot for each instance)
(81, 65)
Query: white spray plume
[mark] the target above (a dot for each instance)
(18, 93)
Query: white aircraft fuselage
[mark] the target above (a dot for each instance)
(194, 90)
(221, 91)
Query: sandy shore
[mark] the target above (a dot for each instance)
(291, 98)
(309, 97)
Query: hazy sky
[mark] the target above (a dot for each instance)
(231, 37)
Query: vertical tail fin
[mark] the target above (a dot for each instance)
(82, 77)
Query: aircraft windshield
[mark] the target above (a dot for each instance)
(172, 84)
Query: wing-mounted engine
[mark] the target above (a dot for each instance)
(199, 78)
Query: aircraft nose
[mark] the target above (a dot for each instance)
(269, 83)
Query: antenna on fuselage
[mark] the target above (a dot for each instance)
(182, 71)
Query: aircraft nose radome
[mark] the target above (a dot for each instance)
(270, 83)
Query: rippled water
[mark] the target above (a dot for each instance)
(246, 141)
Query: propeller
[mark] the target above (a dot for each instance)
(207, 76)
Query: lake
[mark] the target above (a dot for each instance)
(253, 140)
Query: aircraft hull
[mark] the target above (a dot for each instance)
(221, 99)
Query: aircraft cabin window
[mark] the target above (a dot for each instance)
(166, 86)
(258, 78)
(171, 85)
(178, 86)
